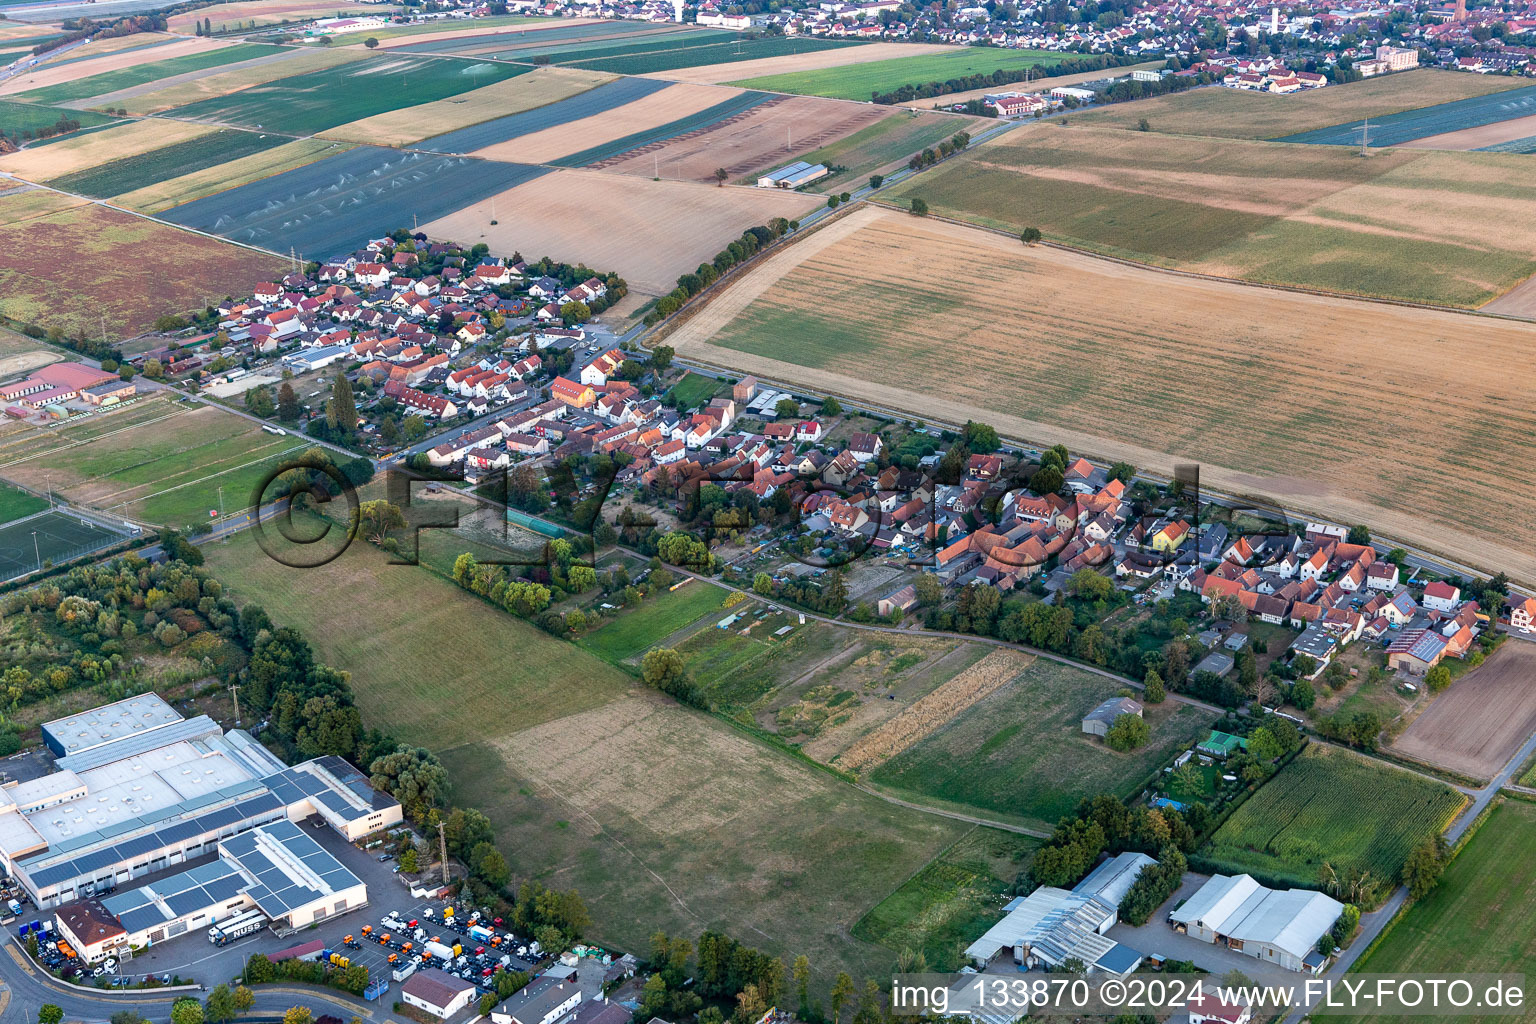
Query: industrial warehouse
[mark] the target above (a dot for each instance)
(138, 789)
(1280, 927)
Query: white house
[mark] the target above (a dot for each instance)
(1442, 597)
(437, 992)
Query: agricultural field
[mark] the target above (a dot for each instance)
(657, 617)
(618, 221)
(23, 120)
(1239, 114)
(714, 117)
(129, 173)
(730, 51)
(1020, 751)
(166, 470)
(310, 209)
(83, 62)
(184, 188)
(1039, 84)
(760, 137)
(758, 67)
(577, 53)
(143, 74)
(230, 17)
(1389, 227)
(189, 88)
(573, 105)
(1408, 125)
(54, 537)
(1509, 136)
(540, 89)
(1481, 917)
(1331, 805)
(310, 103)
(79, 153)
(958, 895)
(861, 81)
(1477, 725)
(1061, 371)
(474, 41)
(126, 291)
(884, 145)
(648, 107)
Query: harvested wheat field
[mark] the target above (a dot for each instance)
(620, 222)
(179, 90)
(710, 74)
(525, 92)
(1477, 725)
(269, 12)
(1476, 138)
(47, 75)
(658, 108)
(937, 708)
(1405, 419)
(71, 155)
(762, 137)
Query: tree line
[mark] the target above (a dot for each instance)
(1002, 76)
(738, 251)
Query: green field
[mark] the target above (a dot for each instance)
(694, 390)
(888, 141)
(1330, 805)
(651, 42)
(729, 52)
(1482, 916)
(141, 74)
(1333, 221)
(944, 907)
(1021, 752)
(738, 673)
(860, 81)
(313, 102)
(119, 176)
(657, 617)
(15, 503)
(55, 537)
(478, 25)
(20, 119)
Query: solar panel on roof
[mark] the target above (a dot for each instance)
(183, 903)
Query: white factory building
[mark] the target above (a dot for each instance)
(138, 790)
(1278, 927)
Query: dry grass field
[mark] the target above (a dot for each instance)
(759, 138)
(622, 222)
(935, 710)
(1351, 409)
(1477, 725)
(26, 203)
(1449, 228)
(658, 108)
(232, 174)
(268, 12)
(834, 58)
(45, 75)
(71, 155)
(211, 82)
(139, 269)
(1476, 138)
(1239, 114)
(412, 124)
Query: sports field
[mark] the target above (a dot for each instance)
(83, 151)
(662, 817)
(207, 149)
(1477, 725)
(142, 74)
(730, 51)
(126, 290)
(1020, 750)
(657, 617)
(58, 536)
(1335, 807)
(1103, 352)
(861, 81)
(1241, 114)
(160, 464)
(336, 204)
(16, 503)
(1409, 125)
(1428, 227)
(312, 102)
(1481, 917)
(619, 221)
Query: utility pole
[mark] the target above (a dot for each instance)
(442, 849)
(1365, 136)
(234, 691)
(36, 552)
(221, 502)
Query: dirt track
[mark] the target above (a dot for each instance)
(1476, 726)
(1518, 301)
(1477, 138)
(1157, 400)
(834, 58)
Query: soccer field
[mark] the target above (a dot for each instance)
(60, 537)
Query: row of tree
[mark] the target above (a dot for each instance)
(738, 251)
(1003, 76)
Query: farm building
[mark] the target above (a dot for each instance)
(1052, 925)
(1221, 745)
(1216, 662)
(1279, 927)
(793, 176)
(1416, 651)
(902, 600)
(1098, 721)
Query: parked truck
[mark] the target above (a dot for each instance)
(440, 951)
(480, 933)
(404, 971)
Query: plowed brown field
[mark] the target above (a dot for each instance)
(1476, 726)
(761, 137)
(1409, 420)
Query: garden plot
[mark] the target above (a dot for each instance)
(336, 204)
